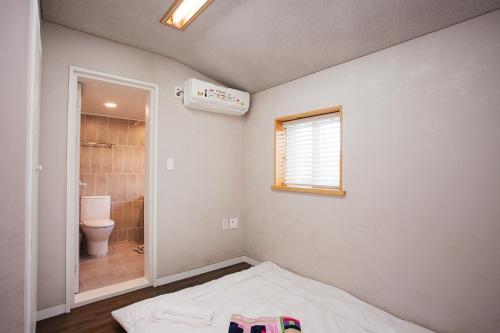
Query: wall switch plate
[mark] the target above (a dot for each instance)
(170, 164)
(233, 223)
(225, 223)
(178, 92)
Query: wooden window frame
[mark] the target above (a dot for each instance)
(279, 184)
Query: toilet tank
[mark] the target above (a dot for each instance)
(95, 207)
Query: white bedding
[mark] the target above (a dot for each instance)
(263, 291)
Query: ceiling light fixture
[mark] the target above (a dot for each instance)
(183, 12)
(110, 105)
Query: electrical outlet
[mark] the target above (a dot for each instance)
(225, 223)
(178, 92)
(233, 223)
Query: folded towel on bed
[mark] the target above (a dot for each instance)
(240, 324)
(180, 314)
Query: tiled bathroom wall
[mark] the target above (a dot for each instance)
(116, 171)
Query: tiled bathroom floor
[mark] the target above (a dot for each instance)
(121, 264)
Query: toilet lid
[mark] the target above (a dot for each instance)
(104, 223)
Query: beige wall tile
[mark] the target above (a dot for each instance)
(101, 187)
(143, 165)
(128, 159)
(102, 129)
(95, 159)
(132, 134)
(117, 158)
(131, 187)
(117, 214)
(89, 179)
(118, 172)
(137, 213)
(107, 160)
(85, 159)
(128, 214)
(112, 186)
(122, 187)
(113, 237)
(122, 131)
(113, 130)
(140, 186)
(142, 212)
(83, 128)
(140, 235)
(137, 156)
(141, 134)
(122, 234)
(84, 179)
(91, 128)
(132, 235)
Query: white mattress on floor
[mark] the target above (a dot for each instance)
(263, 291)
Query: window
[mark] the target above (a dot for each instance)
(308, 152)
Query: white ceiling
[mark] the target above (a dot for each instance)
(257, 44)
(131, 102)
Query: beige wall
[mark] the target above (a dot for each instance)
(192, 200)
(14, 34)
(117, 171)
(418, 232)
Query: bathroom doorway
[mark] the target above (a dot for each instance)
(111, 220)
(112, 136)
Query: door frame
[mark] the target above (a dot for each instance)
(73, 191)
(32, 167)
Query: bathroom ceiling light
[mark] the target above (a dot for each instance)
(110, 105)
(183, 12)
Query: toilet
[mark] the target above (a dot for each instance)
(96, 223)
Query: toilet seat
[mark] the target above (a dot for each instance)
(97, 224)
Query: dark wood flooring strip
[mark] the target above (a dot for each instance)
(96, 317)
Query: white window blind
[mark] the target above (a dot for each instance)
(312, 151)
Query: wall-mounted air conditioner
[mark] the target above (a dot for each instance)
(201, 95)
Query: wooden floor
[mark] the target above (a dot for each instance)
(96, 317)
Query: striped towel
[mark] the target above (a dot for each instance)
(240, 324)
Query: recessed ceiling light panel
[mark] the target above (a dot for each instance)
(110, 105)
(183, 12)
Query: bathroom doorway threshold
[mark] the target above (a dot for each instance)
(99, 294)
(73, 298)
